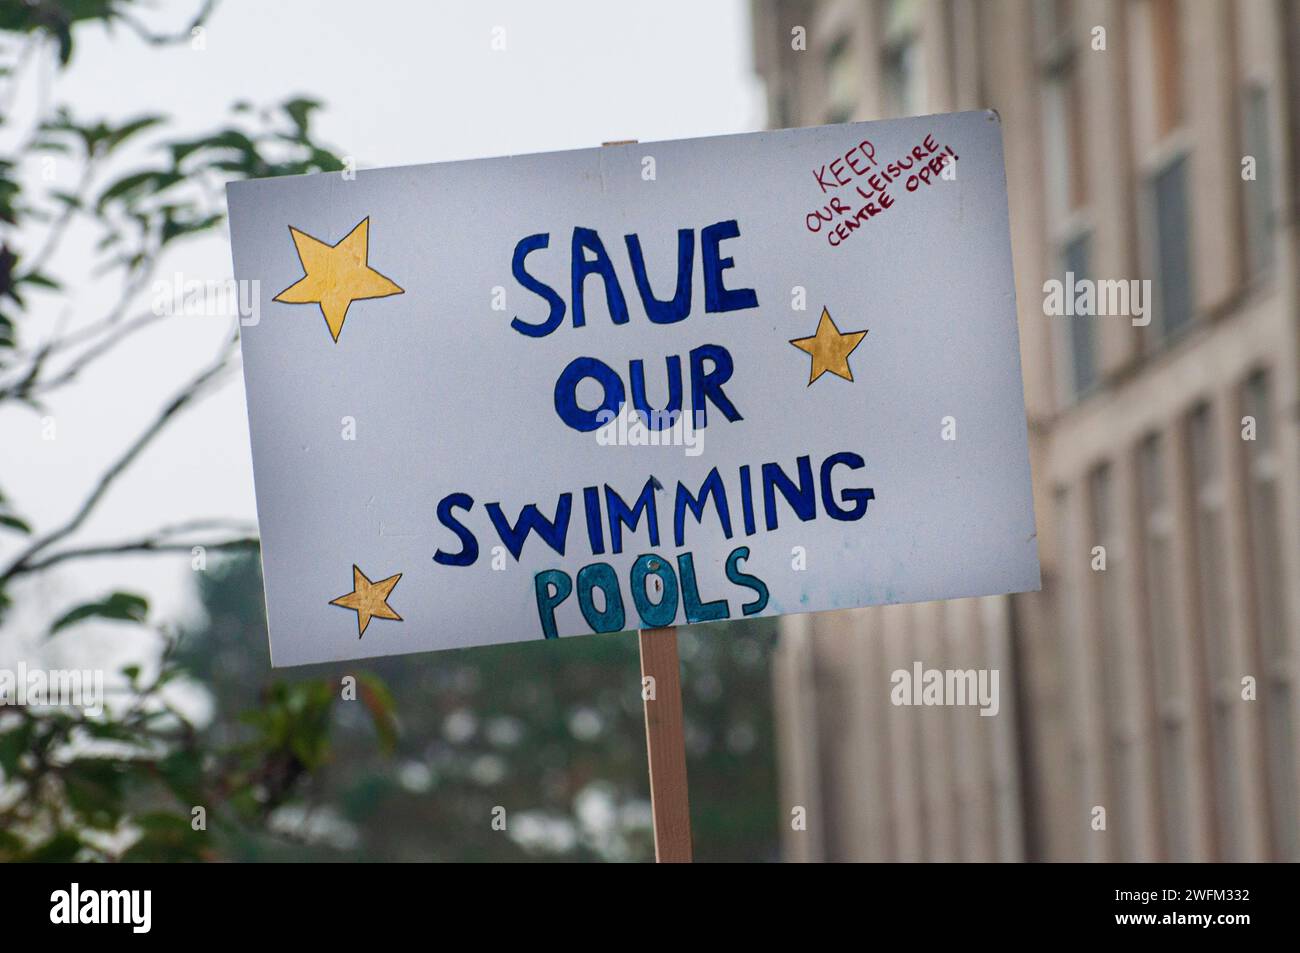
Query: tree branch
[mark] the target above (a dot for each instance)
(187, 395)
(28, 380)
(163, 39)
(147, 544)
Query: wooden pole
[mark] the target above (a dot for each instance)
(665, 740)
(665, 745)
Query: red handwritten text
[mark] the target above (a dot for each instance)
(871, 182)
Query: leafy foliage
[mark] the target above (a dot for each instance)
(136, 780)
(552, 732)
(125, 784)
(432, 745)
(125, 606)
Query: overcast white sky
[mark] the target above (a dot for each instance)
(403, 82)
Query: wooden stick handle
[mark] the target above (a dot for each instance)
(665, 744)
(665, 739)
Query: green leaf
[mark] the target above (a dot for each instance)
(107, 730)
(122, 606)
(383, 712)
(38, 279)
(13, 745)
(59, 849)
(182, 772)
(11, 846)
(225, 139)
(175, 228)
(67, 199)
(65, 43)
(168, 838)
(126, 131)
(299, 110)
(51, 145)
(136, 185)
(13, 522)
(95, 789)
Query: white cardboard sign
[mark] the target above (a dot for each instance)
(634, 386)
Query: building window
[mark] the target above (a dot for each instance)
(1051, 22)
(1066, 172)
(904, 77)
(780, 107)
(1065, 176)
(1172, 247)
(1083, 327)
(842, 81)
(1171, 692)
(1167, 56)
(1071, 651)
(1159, 69)
(1276, 688)
(1120, 771)
(1210, 544)
(1257, 200)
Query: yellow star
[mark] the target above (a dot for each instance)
(829, 348)
(336, 275)
(368, 599)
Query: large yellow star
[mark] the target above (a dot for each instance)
(829, 348)
(368, 599)
(336, 275)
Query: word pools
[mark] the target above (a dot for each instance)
(553, 586)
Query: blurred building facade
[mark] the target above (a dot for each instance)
(1156, 139)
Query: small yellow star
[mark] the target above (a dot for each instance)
(336, 275)
(368, 599)
(829, 348)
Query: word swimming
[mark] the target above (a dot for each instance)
(607, 514)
